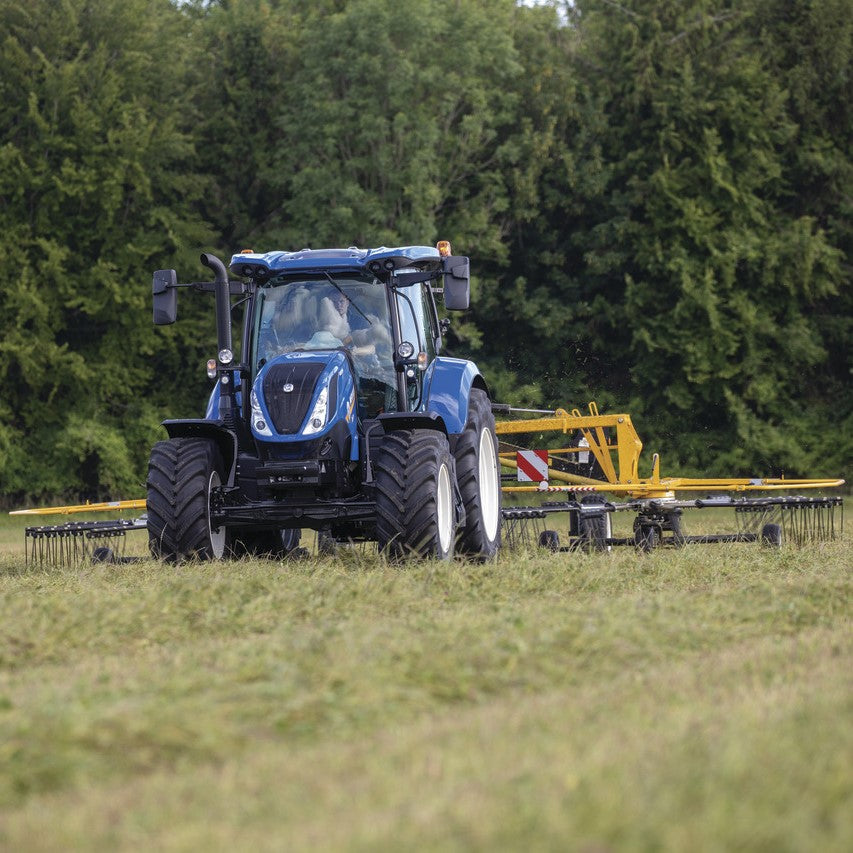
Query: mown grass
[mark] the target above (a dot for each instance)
(696, 699)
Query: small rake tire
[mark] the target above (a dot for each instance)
(327, 545)
(674, 521)
(182, 473)
(595, 530)
(414, 495)
(771, 535)
(478, 477)
(549, 540)
(646, 537)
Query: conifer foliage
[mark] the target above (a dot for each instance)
(656, 198)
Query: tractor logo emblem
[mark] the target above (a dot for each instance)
(287, 388)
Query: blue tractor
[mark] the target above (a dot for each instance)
(339, 416)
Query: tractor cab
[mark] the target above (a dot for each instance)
(311, 314)
(376, 306)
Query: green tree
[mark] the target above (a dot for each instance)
(394, 125)
(241, 76)
(808, 46)
(529, 312)
(686, 283)
(96, 189)
(412, 121)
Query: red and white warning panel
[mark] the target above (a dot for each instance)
(532, 465)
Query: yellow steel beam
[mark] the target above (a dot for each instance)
(627, 448)
(668, 487)
(106, 506)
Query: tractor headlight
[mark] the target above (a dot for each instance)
(258, 422)
(319, 414)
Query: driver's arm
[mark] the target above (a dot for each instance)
(376, 333)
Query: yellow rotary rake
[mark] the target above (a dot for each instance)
(74, 542)
(600, 460)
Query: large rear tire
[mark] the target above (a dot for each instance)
(182, 476)
(478, 476)
(414, 495)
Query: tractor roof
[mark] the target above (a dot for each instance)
(249, 263)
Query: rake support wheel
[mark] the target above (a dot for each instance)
(647, 536)
(182, 475)
(414, 495)
(550, 540)
(478, 476)
(595, 530)
(771, 535)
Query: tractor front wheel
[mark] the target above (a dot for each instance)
(183, 474)
(414, 495)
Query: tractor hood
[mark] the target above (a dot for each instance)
(302, 396)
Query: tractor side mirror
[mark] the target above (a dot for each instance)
(165, 290)
(457, 283)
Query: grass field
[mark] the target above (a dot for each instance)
(685, 700)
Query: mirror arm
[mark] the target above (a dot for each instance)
(407, 278)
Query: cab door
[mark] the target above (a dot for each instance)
(415, 312)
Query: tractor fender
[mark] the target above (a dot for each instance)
(412, 420)
(448, 383)
(225, 438)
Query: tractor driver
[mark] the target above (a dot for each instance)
(334, 322)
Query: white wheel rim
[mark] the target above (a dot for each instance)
(488, 477)
(217, 537)
(444, 509)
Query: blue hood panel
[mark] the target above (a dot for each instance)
(287, 390)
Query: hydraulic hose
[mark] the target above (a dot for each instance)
(223, 334)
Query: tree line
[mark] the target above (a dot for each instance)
(656, 198)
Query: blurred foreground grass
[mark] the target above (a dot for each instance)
(698, 699)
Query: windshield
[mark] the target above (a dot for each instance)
(327, 312)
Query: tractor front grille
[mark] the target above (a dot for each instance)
(289, 408)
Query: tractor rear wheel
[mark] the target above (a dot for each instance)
(415, 513)
(182, 476)
(478, 476)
